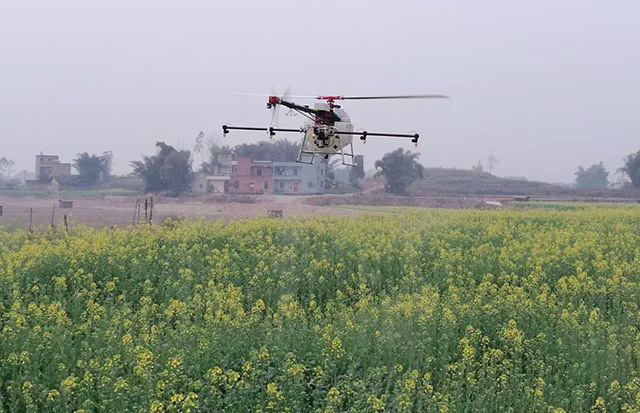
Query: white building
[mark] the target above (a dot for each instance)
(203, 183)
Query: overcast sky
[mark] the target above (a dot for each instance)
(545, 85)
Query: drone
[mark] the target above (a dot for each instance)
(328, 130)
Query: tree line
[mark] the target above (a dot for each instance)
(171, 169)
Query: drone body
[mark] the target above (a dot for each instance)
(328, 130)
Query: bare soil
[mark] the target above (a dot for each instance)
(119, 211)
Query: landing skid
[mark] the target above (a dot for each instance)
(346, 154)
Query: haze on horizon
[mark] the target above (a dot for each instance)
(546, 86)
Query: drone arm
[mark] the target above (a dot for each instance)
(363, 135)
(272, 131)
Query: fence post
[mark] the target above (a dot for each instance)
(135, 210)
(151, 211)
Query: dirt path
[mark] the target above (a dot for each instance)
(119, 211)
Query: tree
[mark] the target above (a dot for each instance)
(631, 168)
(277, 151)
(93, 168)
(6, 168)
(478, 167)
(594, 177)
(400, 168)
(199, 148)
(107, 164)
(168, 170)
(492, 161)
(330, 173)
(356, 173)
(211, 166)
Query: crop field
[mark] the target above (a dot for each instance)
(413, 310)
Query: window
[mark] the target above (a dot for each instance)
(295, 171)
(310, 184)
(281, 185)
(236, 184)
(251, 186)
(259, 172)
(266, 185)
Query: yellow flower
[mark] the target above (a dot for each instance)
(177, 398)
(272, 389)
(69, 384)
(175, 363)
(156, 407)
(376, 403)
(52, 395)
(336, 348)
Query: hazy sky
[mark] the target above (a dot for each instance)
(547, 85)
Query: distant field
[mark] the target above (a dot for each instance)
(70, 194)
(417, 310)
(568, 206)
(448, 181)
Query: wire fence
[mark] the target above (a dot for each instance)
(31, 218)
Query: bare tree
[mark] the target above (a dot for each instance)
(6, 168)
(492, 161)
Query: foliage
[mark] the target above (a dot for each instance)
(277, 150)
(168, 170)
(401, 168)
(594, 177)
(356, 173)
(632, 168)
(93, 168)
(478, 167)
(492, 161)
(427, 310)
(213, 163)
(107, 165)
(330, 180)
(6, 168)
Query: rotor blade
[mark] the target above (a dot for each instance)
(391, 97)
(286, 95)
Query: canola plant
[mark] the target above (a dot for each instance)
(411, 310)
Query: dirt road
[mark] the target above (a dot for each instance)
(119, 211)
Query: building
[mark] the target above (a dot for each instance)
(65, 182)
(299, 178)
(55, 183)
(48, 166)
(222, 163)
(245, 176)
(251, 177)
(203, 183)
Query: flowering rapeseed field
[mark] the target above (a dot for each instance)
(411, 311)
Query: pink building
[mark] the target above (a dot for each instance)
(251, 177)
